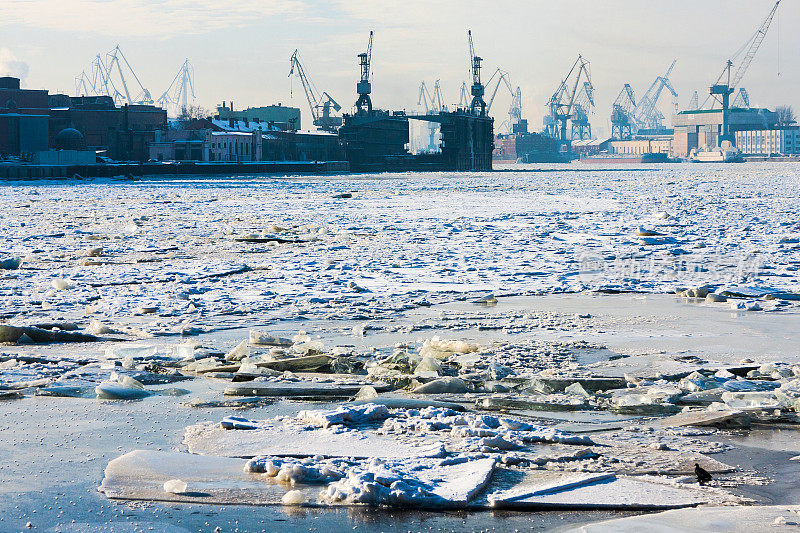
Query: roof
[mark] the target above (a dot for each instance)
(591, 142)
(239, 125)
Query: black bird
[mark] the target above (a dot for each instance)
(703, 476)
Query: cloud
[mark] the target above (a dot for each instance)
(142, 18)
(11, 66)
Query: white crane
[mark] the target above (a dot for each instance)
(176, 98)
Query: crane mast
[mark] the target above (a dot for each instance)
(364, 87)
(176, 97)
(319, 104)
(561, 104)
(478, 105)
(721, 90)
(646, 114)
(622, 120)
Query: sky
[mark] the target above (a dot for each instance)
(240, 49)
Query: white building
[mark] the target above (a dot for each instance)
(768, 142)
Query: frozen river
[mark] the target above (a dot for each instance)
(583, 264)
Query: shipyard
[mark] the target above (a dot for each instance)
(399, 266)
(113, 125)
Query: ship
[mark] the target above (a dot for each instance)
(725, 153)
(621, 159)
(522, 146)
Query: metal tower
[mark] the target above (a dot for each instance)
(722, 89)
(647, 114)
(562, 103)
(622, 121)
(478, 105)
(176, 98)
(364, 87)
(319, 103)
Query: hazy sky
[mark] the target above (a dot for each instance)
(241, 48)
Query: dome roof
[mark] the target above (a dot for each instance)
(70, 139)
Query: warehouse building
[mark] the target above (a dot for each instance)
(23, 119)
(785, 141)
(701, 128)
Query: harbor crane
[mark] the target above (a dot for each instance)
(562, 103)
(622, 121)
(647, 114)
(725, 85)
(320, 104)
(117, 59)
(176, 97)
(364, 87)
(515, 110)
(433, 105)
(584, 102)
(478, 105)
(463, 99)
(102, 80)
(432, 102)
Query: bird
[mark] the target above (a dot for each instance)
(703, 476)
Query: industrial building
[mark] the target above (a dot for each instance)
(701, 128)
(283, 117)
(123, 133)
(785, 141)
(642, 146)
(23, 119)
(232, 140)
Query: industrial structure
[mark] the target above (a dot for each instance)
(722, 89)
(320, 103)
(717, 120)
(176, 98)
(375, 139)
(114, 117)
(112, 75)
(629, 117)
(572, 101)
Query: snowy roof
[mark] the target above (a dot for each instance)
(244, 133)
(239, 125)
(591, 142)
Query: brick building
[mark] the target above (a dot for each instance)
(23, 119)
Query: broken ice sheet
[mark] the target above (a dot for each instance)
(601, 491)
(413, 483)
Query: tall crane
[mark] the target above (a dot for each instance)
(102, 81)
(364, 87)
(516, 123)
(431, 102)
(561, 104)
(463, 99)
(622, 121)
(647, 114)
(320, 104)
(176, 98)
(584, 102)
(478, 105)
(722, 89)
(515, 110)
(117, 59)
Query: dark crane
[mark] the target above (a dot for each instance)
(320, 104)
(622, 113)
(724, 86)
(478, 105)
(561, 104)
(364, 87)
